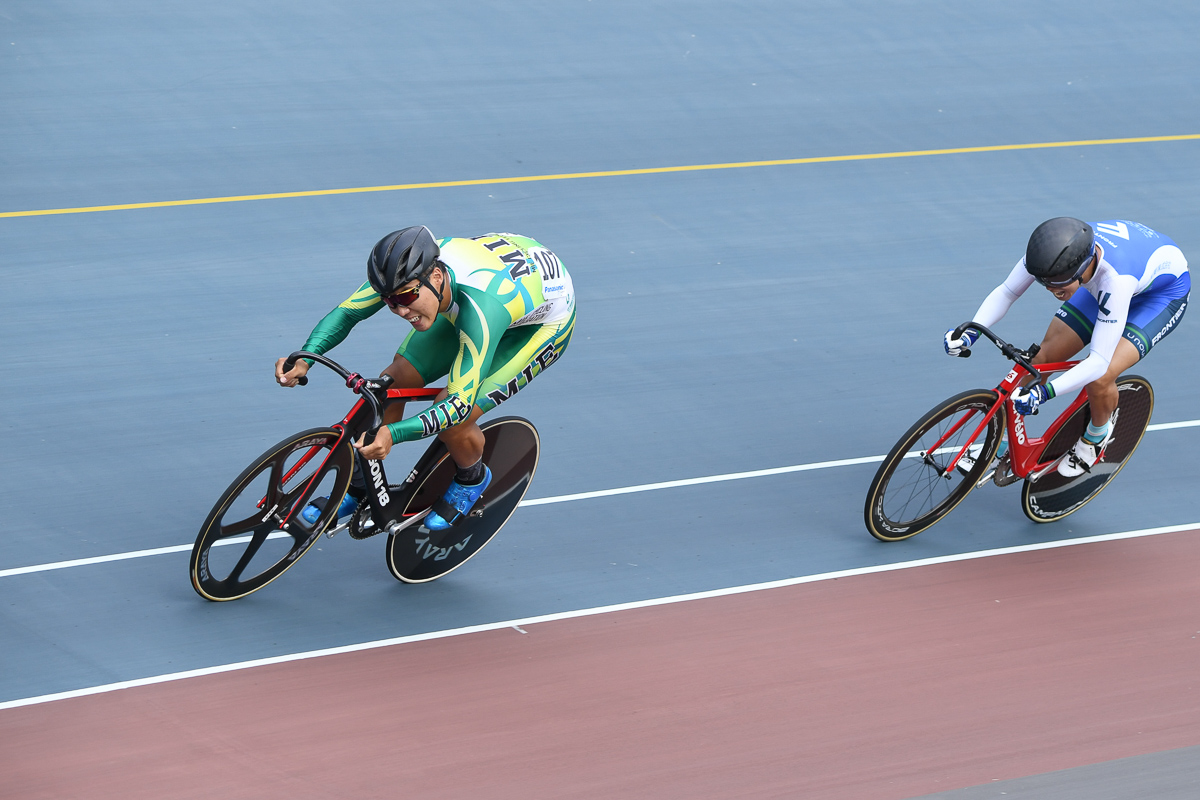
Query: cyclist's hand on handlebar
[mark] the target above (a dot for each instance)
(292, 377)
(377, 449)
(1027, 400)
(954, 346)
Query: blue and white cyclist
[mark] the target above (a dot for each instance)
(1125, 288)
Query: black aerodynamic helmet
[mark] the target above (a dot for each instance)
(400, 257)
(1059, 250)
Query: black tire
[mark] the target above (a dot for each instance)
(1053, 496)
(417, 555)
(909, 492)
(262, 486)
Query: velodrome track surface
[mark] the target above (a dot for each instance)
(731, 320)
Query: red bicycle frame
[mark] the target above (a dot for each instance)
(1025, 449)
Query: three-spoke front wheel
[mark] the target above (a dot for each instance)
(255, 532)
(914, 486)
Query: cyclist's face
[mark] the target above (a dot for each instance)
(424, 310)
(1064, 292)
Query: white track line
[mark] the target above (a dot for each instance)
(1167, 426)
(732, 476)
(588, 612)
(541, 501)
(185, 548)
(562, 498)
(157, 551)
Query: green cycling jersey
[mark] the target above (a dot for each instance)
(498, 281)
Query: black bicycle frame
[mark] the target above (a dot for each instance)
(387, 506)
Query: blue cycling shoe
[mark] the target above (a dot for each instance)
(313, 510)
(456, 503)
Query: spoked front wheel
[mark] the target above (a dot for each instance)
(913, 489)
(417, 555)
(255, 531)
(1053, 496)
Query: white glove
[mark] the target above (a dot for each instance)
(956, 346)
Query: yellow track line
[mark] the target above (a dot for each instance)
(607, 174)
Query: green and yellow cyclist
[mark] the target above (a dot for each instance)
(491, 312)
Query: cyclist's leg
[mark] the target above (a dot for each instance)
(1060, 343)
(522, 354)
(465, 440)
(1152, 317)
(1070, 329)
(1102, 392)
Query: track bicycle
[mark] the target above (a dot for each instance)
(255, 532)
(948, 451)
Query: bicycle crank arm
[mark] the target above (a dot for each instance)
(1036, 474)
(401, 524)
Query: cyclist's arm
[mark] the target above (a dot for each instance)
(1107, 334)
(997, 304)
(482, 320)
(334, 326)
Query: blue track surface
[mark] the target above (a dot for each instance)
(729, 320)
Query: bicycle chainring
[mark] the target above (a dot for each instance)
(361, 526)
(1004, 474)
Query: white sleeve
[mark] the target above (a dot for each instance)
(1107, 334)
(997, 304)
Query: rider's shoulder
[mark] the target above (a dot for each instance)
(1129, 246)
(364, 297)
(493, 241)
(1125, 234)
(520, 240)
(489, 244)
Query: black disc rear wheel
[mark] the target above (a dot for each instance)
(417, 555)
(255, 531)
(913, 489)
(1054, 496)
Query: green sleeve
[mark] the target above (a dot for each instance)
(482, 320)
(335, 326)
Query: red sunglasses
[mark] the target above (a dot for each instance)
(403, 299)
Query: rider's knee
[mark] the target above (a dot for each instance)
(459, 432)
(466, 431)
(1102, 387)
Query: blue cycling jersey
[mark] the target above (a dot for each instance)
(1134, 262)
(1130, 248)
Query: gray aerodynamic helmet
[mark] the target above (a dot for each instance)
(400, 257)
(1059, 250)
